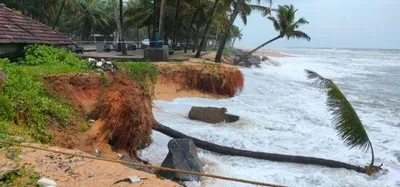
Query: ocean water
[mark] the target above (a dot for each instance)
(281, 113)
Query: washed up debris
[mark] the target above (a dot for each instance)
(97, 153)
(134, 179)
(46, 182)
(101, 65)
(131, 179)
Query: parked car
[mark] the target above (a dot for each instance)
(75, 48)
(145, 44)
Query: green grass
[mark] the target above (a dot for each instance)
(24, 176)
(27, 101)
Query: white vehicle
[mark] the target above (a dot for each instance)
(146, 42)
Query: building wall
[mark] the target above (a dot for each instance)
(11, 51)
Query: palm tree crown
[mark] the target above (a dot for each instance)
(285, 23)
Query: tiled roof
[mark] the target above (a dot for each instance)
(16, 28)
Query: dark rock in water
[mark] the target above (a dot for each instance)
(182, 155)
(251, 60)
(3, 78)
(208, 114)
(255, 60)
(229, 118)
(264, 58)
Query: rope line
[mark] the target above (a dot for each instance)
(146, 166)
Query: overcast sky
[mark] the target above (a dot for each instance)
(333, 23)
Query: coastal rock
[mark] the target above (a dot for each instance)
(3, 78)
(251, 60)
(254, 60)
(182, 155)
(208, 114)
(230, 118)
(212, 115)
(264, 58)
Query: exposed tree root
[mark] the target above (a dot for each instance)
(259, 155)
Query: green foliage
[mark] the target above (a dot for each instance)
(143, 71)
(4, 127)
(24, 176)
(227, 52)
(104, 79)
(346, 121)
(286, 24)
(46, 55)
(32, 104)
(7, 110)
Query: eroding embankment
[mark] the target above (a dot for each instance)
(122, 106)
(207, 80)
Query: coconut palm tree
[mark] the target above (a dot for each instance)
(64, 3)
(346, 121)
(207, 29)
(90, 13)
(243, 8)
(236, 34)
(286, 25)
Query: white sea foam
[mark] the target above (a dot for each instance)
(281, 113)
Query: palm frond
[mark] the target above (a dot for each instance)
(298, 35)
(276, 24)
(262, 9)
(243, 15)
(346, 121)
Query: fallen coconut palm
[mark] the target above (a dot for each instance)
(346, 121)
(259, 155)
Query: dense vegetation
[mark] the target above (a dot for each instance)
(27, 105)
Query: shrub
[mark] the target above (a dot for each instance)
(31, 103)
(45, 55)
(7, 110)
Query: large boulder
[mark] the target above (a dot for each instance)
(208, 114)
(211, 115)
(251, 60)
(182, 155)
(3, 78)
(254, 60)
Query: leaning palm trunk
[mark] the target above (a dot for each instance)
(258, 155)
(227, 32)
(346, 121)
(259, 47)
(206, 31)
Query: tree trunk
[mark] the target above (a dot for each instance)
(190, 28)
(59, 14)
(204, 38)
(155, 25)
(259, 47)
(137, 35)
(121, 20)
(258, 155)
(227, 33)
(178, 3)
(233, 42)
(195, 40)
(162, 13)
